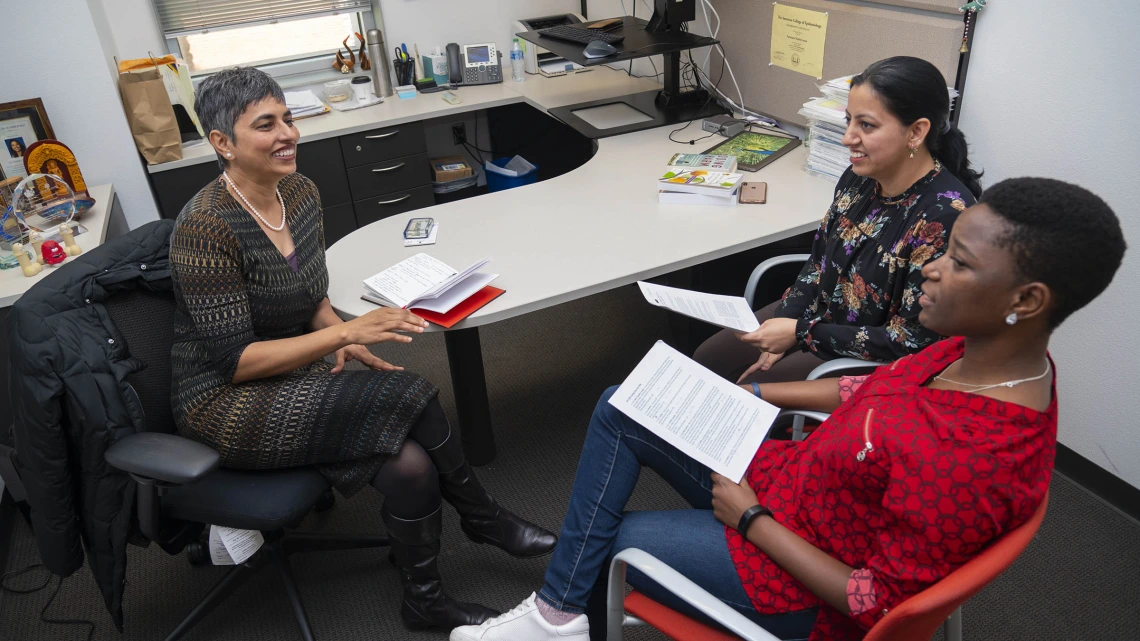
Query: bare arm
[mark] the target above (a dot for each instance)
(325, 316)
(820, 395)
(825, 576)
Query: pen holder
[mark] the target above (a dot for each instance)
(405, 71)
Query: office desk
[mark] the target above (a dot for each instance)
(595, 228)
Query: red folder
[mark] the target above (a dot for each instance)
(462, 310)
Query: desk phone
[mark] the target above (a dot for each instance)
(476, 64)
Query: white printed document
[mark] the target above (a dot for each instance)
(708, 418)
(420, 281)
(730, 312)
(231, 546)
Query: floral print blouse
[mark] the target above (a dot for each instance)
(857, 296)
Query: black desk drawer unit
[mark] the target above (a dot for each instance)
(383, 144)
(370, 210)
(388, 176)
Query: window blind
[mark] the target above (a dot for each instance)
(181, 16)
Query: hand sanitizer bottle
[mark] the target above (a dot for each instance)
(517, 73)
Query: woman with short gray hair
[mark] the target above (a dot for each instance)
(254, 325)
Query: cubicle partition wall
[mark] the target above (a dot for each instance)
(857, 35)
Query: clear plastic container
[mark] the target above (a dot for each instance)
(338, 90)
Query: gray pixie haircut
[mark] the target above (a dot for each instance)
(223, 97)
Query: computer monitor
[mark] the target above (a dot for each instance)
(669, 15)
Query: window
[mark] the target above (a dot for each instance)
(283, 37)
(267, 43)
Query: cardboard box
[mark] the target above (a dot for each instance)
(449, 168)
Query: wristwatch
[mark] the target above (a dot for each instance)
(750, 515)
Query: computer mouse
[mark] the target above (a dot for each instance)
(599, 49)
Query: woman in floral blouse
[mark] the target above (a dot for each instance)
(857, 296)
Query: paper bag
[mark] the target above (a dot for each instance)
(150, 116)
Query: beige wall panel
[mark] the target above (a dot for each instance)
(856, 37)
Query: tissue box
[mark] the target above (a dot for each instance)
(406, 91)
(449, 168)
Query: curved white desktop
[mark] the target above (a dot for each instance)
(597, 227)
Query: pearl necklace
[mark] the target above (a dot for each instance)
(981, 388)
(254, 209)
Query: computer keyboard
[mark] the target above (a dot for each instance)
(579, 34)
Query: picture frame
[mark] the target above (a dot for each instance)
(22, 123)
(754, 150)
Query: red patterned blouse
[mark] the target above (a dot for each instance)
(903, 483)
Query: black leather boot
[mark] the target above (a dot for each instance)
(483, 520)
(415, 548)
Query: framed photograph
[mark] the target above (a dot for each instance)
(21, 123)
(754, 150)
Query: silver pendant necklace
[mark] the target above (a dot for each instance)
(254, 209)
(980, 388)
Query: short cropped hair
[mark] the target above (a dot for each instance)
(1062, 235)
(223, 97)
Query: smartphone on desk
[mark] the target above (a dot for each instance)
(753, 193)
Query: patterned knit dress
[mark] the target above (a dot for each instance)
(233, 287)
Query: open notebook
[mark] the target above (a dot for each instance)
(432, 288)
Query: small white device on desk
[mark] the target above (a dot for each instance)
(539, 60)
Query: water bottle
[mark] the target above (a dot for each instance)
(517, 62)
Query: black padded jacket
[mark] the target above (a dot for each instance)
(71, 401)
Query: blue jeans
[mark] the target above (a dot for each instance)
(597, 527)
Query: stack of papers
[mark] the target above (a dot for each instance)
(304, 103)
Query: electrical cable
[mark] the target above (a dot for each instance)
(43, 612)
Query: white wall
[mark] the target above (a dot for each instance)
(83, 103)
(133, 28)
(1050, 92)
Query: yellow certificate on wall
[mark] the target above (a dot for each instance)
(798, 36)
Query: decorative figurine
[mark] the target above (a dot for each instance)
(69, 245)
(55, 158)
(29, 267)
(53, 254)
(342, 64)
(36, 241)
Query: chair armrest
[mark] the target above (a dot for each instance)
(678, 584)
(840, 365)
(813, 415)
(163, 457)
(754, 279)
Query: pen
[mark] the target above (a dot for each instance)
(405, 48)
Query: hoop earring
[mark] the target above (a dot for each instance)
(1011, 319)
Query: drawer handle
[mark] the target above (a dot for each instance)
(395, 200)
(390, 133)
(389, 168)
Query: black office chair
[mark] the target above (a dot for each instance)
(181, 487)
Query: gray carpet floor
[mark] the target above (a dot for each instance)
(1078, 580)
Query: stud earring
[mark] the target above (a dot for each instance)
(1011, 319)
(912, 152)
(231, 155)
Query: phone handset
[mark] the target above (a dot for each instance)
(455, 64)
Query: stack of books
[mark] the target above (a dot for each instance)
(827, 122)
(699, 179)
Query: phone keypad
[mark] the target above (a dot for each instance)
(483, 75)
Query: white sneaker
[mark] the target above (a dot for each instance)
(524, 623)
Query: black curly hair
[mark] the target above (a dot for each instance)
(1062, 235)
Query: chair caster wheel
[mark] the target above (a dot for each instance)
(197, 554)
(326, 502)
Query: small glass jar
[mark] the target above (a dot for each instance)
(338, 90)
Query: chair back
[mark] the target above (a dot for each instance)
(920, 616)
(146, 320)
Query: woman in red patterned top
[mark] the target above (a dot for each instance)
(921, 465)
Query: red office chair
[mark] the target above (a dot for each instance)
(917, 618)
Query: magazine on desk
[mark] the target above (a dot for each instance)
(432, 289)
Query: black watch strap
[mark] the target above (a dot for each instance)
(750, 515)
